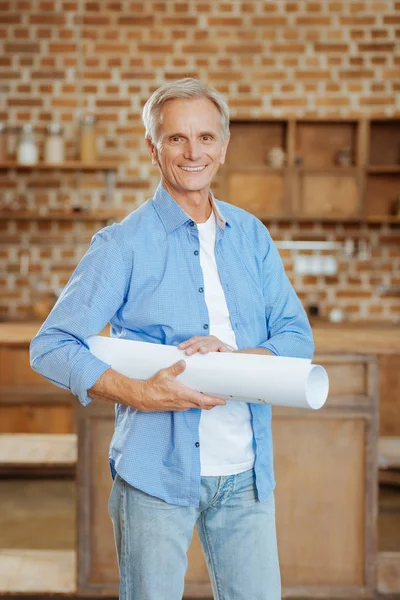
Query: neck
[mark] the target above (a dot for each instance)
(196, 204)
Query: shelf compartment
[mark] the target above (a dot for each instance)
(316, 143)
(251, 141)
(382, 191)
(385, 142)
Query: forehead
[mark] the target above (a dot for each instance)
(179, 114)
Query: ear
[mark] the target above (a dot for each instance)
(224, 149)
(152, 151)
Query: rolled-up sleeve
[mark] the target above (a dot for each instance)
(289, 331)
(94, 293)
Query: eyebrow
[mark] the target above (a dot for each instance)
(177, 134)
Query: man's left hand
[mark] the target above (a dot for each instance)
(204, 344)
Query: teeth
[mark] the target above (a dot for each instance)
(193, 169)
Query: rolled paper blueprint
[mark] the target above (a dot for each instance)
(263, 379)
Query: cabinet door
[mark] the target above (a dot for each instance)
(328, 195)
(28, 402)
(389, 395)
(262, 194)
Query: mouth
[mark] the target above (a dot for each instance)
(198, 169)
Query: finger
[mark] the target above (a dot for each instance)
(205, 401)
(177, 368)
(187, 343)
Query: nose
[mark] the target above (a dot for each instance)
(192, 150)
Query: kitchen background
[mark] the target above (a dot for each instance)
(272, 59)
(313, 88)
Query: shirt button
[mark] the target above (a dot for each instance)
(191, 223)
(205, 326)
(196, 252)
(197, 444)
(201, 290)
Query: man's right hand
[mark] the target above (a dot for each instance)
(163, 392)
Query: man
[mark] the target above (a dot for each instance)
(187, 270)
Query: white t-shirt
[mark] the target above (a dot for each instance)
(226, 434)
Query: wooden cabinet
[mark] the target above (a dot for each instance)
(29, 403)
(333, 169)
(325, 464)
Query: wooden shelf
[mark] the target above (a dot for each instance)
(71, 165)
(383, 219)
(328, 170)
(383, 169)
(89, 215)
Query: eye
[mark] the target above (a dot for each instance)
(207, 138)
(175, 139)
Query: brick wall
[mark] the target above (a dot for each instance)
(60, 58)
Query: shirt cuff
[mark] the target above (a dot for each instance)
(83, 377)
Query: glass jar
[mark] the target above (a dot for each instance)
(3, 143)
(27, 151)
(54, 151)
(88, 151)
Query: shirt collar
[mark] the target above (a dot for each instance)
(173, 216)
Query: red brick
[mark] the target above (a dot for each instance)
(381, 101)
(156, 48)
(136, 21)
(364, 20)
(391, 20)
(356, 74)
(332, 101)
(27, 48)
(101, 75)
(270, 21)
(228, 75)
(24, 102)
(244, 49)
(95, 20)
(62, 48)
(9, 75)
(113, 103)
(200, 49)
(48, 74)
(331, 47)
(288, 102)
(308, 74)
(245, 102)
(12, 19)
(225, 21)
(180, 21)
(43, 18)
(313, 21)
(376, 47)
(118, 48)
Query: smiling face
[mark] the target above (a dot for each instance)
(190, 146)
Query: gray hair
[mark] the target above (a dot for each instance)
(182, 88)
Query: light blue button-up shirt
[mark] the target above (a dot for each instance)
(143, 276)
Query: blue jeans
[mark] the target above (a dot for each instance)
(237, 534)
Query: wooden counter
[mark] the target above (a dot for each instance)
(379, 339)
(364, 338)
